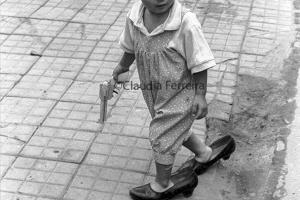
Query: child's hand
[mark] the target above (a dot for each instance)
(117, 71)
(199, 109)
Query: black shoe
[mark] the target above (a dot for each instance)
(221, 149)
(184, 180)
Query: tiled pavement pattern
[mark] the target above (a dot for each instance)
(54, 54)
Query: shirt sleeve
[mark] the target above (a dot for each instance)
(197, 51)
(126, 41)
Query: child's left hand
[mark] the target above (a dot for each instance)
(199, 109)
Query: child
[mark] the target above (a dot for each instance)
(168, 45)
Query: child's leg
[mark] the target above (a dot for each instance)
(162, 179)
(201, 150)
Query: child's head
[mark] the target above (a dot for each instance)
(158, 6)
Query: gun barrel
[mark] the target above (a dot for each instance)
(103, 110)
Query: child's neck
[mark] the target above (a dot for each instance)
(153, 20)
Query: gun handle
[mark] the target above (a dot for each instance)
(124, 77)
(103, 110)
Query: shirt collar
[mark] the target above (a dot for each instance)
(173, 21)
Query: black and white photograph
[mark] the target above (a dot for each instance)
(149, 100)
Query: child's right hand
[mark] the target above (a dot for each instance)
(117, 71)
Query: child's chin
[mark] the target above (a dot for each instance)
(161, 10)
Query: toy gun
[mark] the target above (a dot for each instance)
(107, 88)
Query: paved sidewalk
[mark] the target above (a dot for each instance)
(54, 55)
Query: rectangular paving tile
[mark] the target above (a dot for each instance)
(24, 110)
(107, 51)
(113, 33)
(96, 71)
(40, 27)
(31, 2)
(7, 82)
(119, 151)
(14, 196)
(85, 92)
(59, 9)
(269, 31)
(84, 31)
(54, 13)
(14, 137)
(16, 64)
(262, 66)
(5, 163)
(76, 116)
(225, 32)
(95, 182)
(39, 178)
(3, 38)
(20, 8)
(58, 144)
(9, 24)
(100, 12)
(245, 3)
(65, 68)
(40, 87)
(72, 48)
(67, 4)
(24, 44)
(274, 5)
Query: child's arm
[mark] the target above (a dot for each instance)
(199, 109)
(124, 64)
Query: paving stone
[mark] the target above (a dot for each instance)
(262, 66)
(225, 30)
(54, 13)
(96, 71)
(120, 151)
(24, 44)
(107, 51)
(70, 48)
(76, 116)
(75, 5)
(3, 38)
(273, 5)
(58, 144)
(40, 87)
(14, 136)
(8, 24)
(20, 8)
(87, 92)
(113, 33)
(13, 196)
(5, 163)
(121, 197)
(101, 12)
(7, 82)
(84, 31)
(219, 109)
(16, 64)
(59, 9)
(40, 178)
(24, 110)
(103, 181)
(40, 27)
(66, 68)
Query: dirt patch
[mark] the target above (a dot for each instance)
(261, 112)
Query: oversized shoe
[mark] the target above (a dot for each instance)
(185, 181)
(221, 149)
